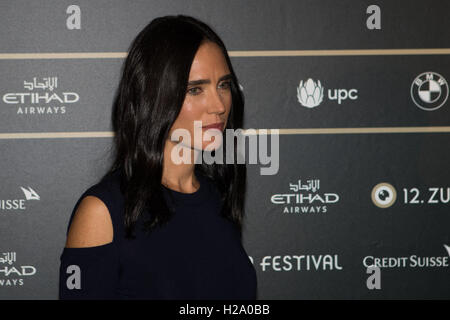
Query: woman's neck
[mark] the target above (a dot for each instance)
(179, 177)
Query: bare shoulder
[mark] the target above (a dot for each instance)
(91, 225)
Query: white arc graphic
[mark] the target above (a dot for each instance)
(448, 249)
(30, 194)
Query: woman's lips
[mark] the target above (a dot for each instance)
(218, 125)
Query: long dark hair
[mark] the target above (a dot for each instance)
(147, 101)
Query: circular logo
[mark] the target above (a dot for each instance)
(429, 91)
(384, 195)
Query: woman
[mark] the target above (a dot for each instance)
(153, 228)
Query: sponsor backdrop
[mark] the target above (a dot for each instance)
(358, 207)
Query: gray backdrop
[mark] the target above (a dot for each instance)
(301, 245)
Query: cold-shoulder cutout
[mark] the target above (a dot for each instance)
(91, 225)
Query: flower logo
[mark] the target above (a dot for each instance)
(310, 93)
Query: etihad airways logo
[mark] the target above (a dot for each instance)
(12, 274)
(39, 97)
(19, 203)
(305, 198)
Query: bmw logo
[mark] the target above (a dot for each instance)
(429, 91)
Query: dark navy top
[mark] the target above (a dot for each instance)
(197, 255)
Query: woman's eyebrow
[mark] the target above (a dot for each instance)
(205, 81)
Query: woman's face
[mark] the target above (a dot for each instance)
(208, 97)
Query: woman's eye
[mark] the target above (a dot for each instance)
(194, 91)
(226, 85)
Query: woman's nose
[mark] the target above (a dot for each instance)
(217, 102)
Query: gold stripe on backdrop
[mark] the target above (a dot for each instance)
(250, 53)
(108, 134)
